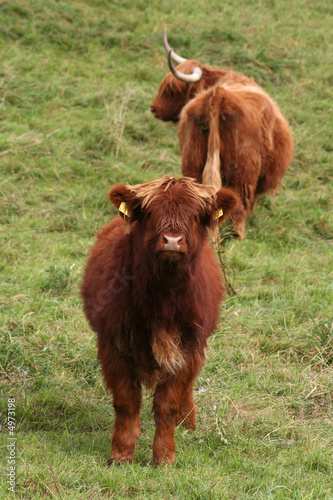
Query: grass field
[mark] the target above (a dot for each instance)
(76, 82)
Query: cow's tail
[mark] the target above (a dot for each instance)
(211, 174)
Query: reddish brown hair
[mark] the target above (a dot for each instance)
(235, 135)
(174, 94)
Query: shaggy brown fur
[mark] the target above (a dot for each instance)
(153, 305)
(231, 133)
(173, 94)
(235, 135)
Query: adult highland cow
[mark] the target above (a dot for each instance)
(235, 135)
(231, 132)
(151, 292)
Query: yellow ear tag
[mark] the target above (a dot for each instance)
(218, 214)
(123, 210)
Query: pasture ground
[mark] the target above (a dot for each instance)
(76, 81)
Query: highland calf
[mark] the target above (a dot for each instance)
(151, 292)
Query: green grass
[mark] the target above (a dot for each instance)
(76, 81)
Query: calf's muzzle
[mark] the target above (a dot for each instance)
(172, 243)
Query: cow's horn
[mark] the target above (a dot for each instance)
(168, 49)
(193, 77)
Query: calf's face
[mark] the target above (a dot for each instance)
(170, 216)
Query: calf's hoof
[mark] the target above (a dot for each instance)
(118, 459)
(166, 458)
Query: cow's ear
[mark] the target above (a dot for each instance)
(227, 201)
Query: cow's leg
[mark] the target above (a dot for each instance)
(238, 220)
(188, 409)
(167, 403)
(126, 391)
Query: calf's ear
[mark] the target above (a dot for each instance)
(121, 196)
(227, 201)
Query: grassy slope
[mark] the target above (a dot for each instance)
(76, 81)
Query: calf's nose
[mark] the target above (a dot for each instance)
(172, 243)
(153, 109)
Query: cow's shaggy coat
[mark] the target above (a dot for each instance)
(235, 135)
(173, 94)
(151, 291)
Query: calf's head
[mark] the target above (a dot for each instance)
(169, 217)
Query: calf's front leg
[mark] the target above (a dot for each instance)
(167, 406)
(188, 409)
(127, 395)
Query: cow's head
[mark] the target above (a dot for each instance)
(169, 217)
(178, 87)
(173, 94)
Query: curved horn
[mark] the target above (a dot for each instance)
(168, 49)
(193, 77)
